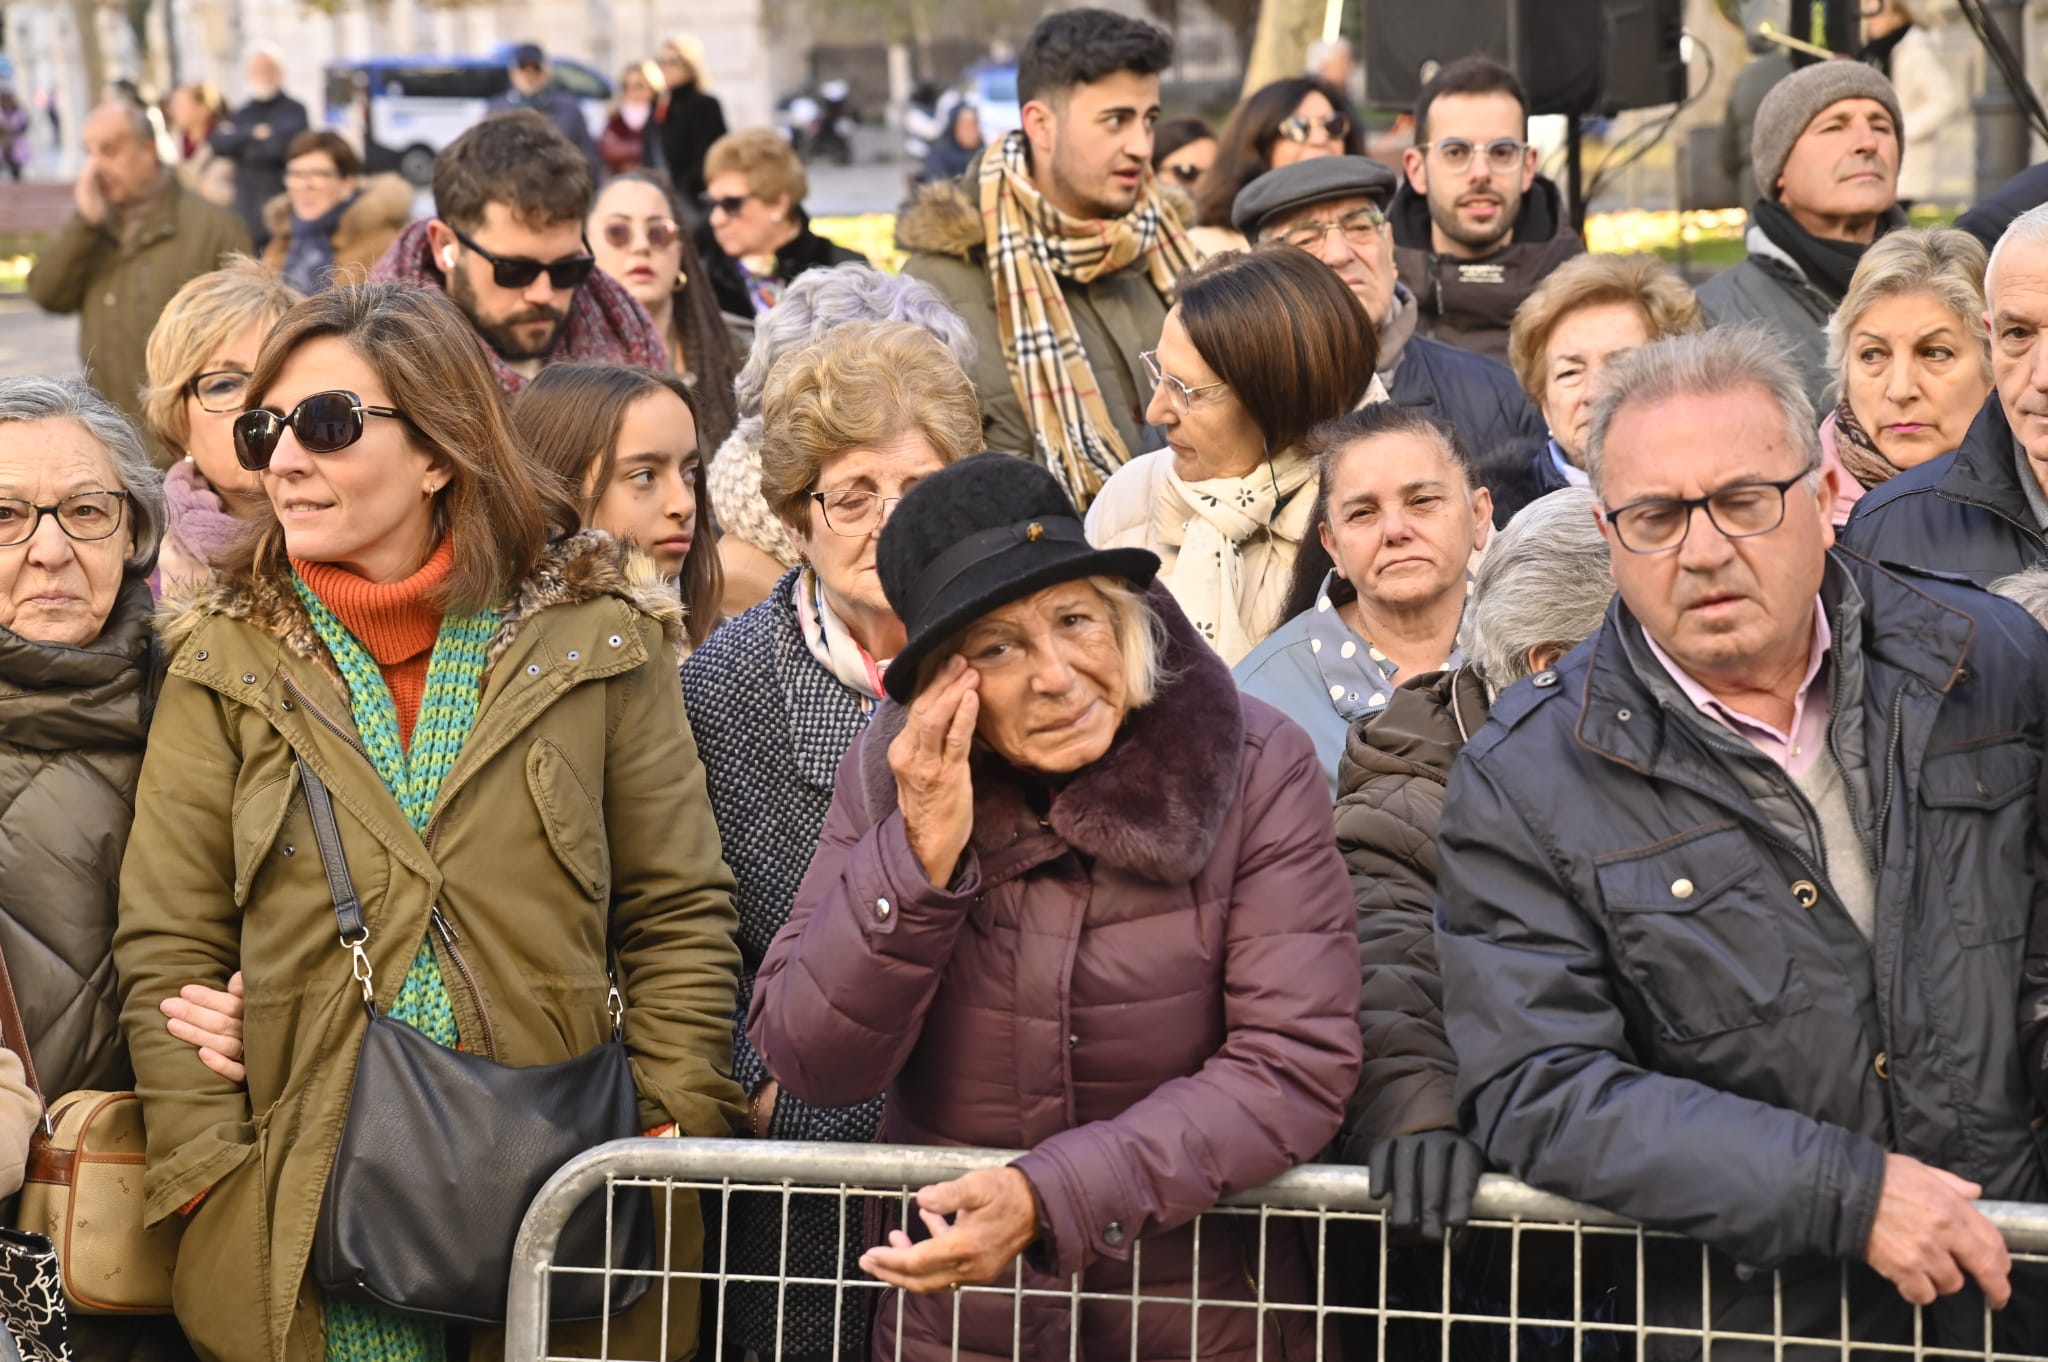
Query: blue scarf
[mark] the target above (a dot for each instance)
(309, 259)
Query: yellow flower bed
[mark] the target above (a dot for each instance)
(872, 234)
(14, 272)
(1637, 230)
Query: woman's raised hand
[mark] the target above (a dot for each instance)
(933, 785)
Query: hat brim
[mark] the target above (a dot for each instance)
(1001, 579)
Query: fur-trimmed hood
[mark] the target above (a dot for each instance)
(578, 568)
(945, 218)
(1154, 804)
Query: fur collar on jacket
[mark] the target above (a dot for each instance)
(1154, 805)
(945, 218)
(579, 568)
(383, 205)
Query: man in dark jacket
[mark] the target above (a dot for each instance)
(1334, 207)
(256, 138)
(1980, 511)
(533, 87)
(1475, 227)
(1754, 981)
(1825, 151)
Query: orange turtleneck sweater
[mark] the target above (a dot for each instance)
(396, 622)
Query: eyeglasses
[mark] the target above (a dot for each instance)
(1361, 227)
(1186, 174)
(854, 514)
(517, 271)
(220, 390)
(1178, 393)
(1297, 129)
(323, 423)
(661, 234)
(310, 176)
(83, 516)
(729, 204)
(1742, 510)
(1502, 154)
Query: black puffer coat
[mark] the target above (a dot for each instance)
(72, 724)
(1469, 303)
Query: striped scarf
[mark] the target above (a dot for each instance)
(360, 1333)
(1032, 247)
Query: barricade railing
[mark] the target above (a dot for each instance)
(1532, 1278)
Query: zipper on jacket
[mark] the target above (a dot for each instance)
(326, 722)
(450, 940)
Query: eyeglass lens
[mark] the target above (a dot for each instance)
(1503, 154)
(323, 423)
(730, 204)
(854, 513)
(84, 516)
(661, 233)
(1739, 512)
(221, 390)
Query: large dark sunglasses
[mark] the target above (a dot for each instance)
(1297, 129)
(517, 271)
(323, 423)
(1186, 174)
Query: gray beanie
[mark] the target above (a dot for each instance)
(1794, 102)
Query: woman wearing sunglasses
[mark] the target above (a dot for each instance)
(637, 235)
(1262, 348)
(199, 358)
(1183, 149)
(492, 701)
(1290, 120)
(758, 238)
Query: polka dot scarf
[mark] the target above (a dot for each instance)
(1357, 677)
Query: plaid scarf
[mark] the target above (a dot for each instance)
(1032, 247)
(1859, 453)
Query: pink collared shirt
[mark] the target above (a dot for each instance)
(1798, 748)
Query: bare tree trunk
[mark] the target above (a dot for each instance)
(1286, 28)
(92, 56)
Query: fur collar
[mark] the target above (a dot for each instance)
(945, 218)
(383, 203)
(579, 568)
(1154, 805)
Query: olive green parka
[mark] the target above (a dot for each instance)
(578, 799)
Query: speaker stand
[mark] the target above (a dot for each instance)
(1573, 173)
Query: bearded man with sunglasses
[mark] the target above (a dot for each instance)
(507, 245)
(1753, 977)
(1476, 229)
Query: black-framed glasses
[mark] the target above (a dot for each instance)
(728, 204)
(219, 390)
(1298, 129)
(1741, 510)
(83, 516)
(854, 514)
(518, 271)
(1503, 153)
(1177, 392)
(1361, 227)
(322, 423)
(661, 234)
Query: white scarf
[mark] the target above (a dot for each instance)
(1210, 521)
(832, 643)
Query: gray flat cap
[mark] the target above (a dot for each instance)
(1317, 180)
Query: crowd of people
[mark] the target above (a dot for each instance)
(1240, 654)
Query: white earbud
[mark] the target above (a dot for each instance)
(447, 257)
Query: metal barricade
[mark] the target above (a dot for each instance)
(1533, 1278)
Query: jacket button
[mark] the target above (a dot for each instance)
(199, 656)
(533, 669)
(290, 850)
(1806, 893)
(1113, 1235)
(1623, 715)
(285, 705)
(1544, 680)
(1983, 790)
(1883, 1066)
(573, 654)
(882, 909)
(1681, 888)
(248, 678)
(1072, 1040)
(615, 640)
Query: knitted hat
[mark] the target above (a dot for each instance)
(1794, 102)
(972, 538)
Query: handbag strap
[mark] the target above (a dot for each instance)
(16, 1036)
(348, 909)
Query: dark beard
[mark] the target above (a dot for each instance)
(499, 335)
(1510, 209)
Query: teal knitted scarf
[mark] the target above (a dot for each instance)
(358, 1333)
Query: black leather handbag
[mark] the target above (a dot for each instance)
(444, 1151)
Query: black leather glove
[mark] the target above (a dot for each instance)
(1429, 1178)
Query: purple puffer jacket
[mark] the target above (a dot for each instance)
(1153, 988)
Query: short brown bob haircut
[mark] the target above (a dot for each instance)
(860, 386)
(518, 159)
(347, 164)
(760, 157)
(1641, 281)
(1285, 333)
(497, 507)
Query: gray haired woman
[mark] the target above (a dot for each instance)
(757, 546)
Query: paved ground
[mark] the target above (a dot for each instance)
(34, 342)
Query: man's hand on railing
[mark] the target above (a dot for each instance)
(1431, 1176)
(995, 1217)
(1927, 1235)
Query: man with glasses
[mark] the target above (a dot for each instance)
(1753, 977)
(1334, 207)
(506, 244)
(1475, 227)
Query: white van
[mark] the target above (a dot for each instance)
(400, 111)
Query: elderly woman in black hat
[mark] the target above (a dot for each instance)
(1074, 896)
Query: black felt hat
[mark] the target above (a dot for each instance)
(974, 537)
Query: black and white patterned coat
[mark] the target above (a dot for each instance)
(771, 724)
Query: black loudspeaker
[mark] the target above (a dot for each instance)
(1572, 56)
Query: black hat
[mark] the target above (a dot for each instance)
(528, 54)
(974, 537)
(1316, 180)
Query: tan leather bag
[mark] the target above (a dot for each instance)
(84, 1191)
